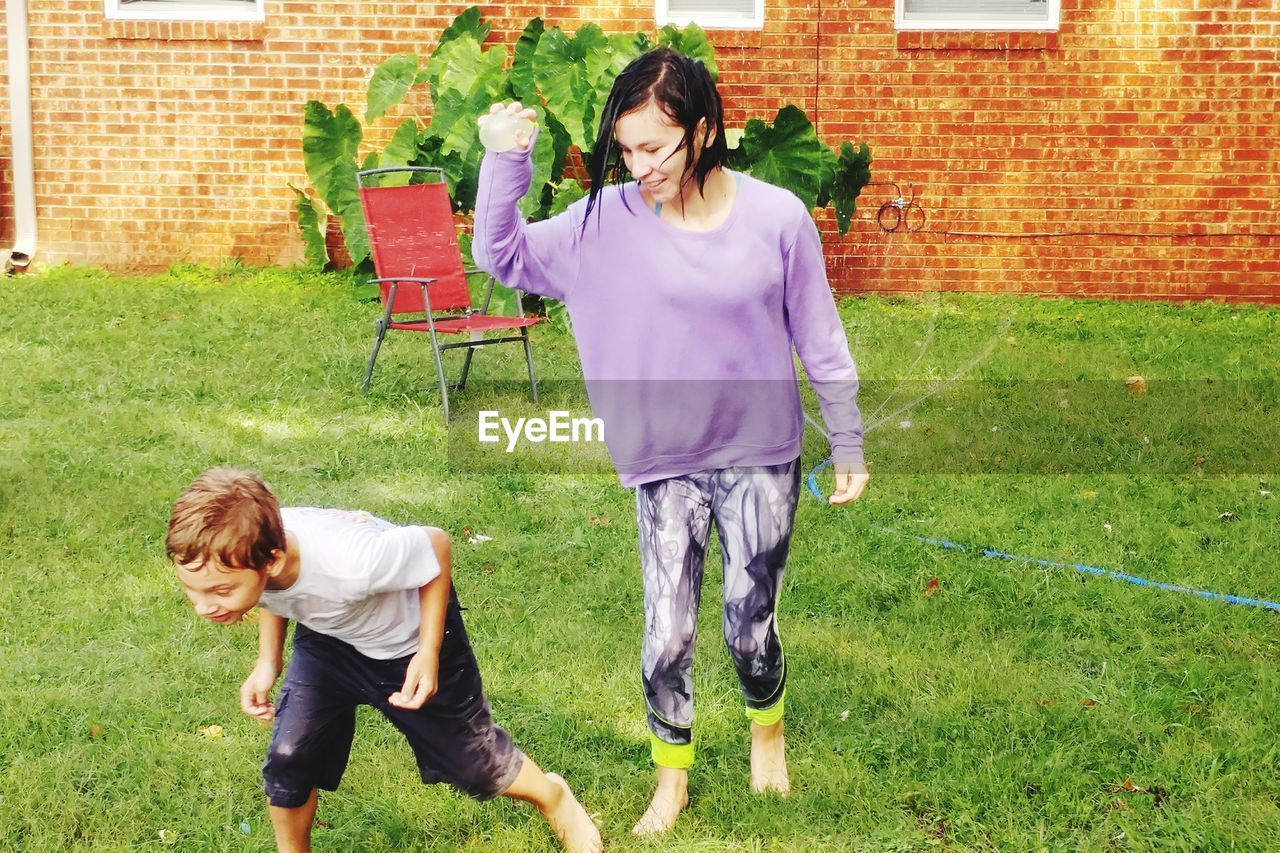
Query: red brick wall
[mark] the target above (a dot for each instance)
(1139, 131)
(1142, 117)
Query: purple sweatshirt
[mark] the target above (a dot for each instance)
(685, 337)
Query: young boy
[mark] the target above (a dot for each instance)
(378, 624)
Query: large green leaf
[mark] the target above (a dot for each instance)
(400, 151)
(329, 144)
(556, 76)
(557, 313)
(566, 193)
(598, 54)
(403, 145)
(691, 41)
(853, 173)
(552, 127)
(454, 120)
(312, 224)
(827, 167)
(622, 50)
(464, 67)
(465, 239)
(389, 83)
(354, 236)
(469, 24)
(787, 154)
(465, 172)
(565, 71)
(466, 27)
(543, 157)
(330, 141)
(464, 81)
(428, 149)
(469, 81)
(523, 88)
(460, 173)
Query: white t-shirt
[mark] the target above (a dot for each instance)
(358, 580)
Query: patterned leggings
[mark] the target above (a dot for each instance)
(753, 508)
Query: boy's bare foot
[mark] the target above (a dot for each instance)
(769, 760)
(570, 821)
(669, 799)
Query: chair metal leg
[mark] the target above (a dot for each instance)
(444, 385)
(466, 368)
(373, 356)
(528, 358)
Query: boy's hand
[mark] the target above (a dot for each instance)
(255, 693)
(851, 480)
(419, 682)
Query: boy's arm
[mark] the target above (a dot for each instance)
(422, 675)
(255, 693)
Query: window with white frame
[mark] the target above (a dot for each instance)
(184, 10)
(970, 15)
(712, 14)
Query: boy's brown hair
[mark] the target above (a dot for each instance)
(227, 515)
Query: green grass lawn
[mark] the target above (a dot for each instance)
(1006, 707)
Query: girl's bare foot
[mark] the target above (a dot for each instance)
(769, 760)
(670, 798)
(570, 821)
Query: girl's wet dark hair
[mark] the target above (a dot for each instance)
(682, 88)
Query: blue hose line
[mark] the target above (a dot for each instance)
(813, 477)
(1079, 567)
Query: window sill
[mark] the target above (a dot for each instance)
(969, 40)
(185, 30)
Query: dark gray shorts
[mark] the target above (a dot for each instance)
(453, 737)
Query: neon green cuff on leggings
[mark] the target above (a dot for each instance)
(677, 756)
(768, 716)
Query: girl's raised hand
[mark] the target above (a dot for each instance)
(507, 127)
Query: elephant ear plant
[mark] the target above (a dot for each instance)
(565, 78)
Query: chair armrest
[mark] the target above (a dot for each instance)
(395, 284)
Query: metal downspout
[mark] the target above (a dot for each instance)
(22, 151)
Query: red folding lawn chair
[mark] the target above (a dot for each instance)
(420, 274)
